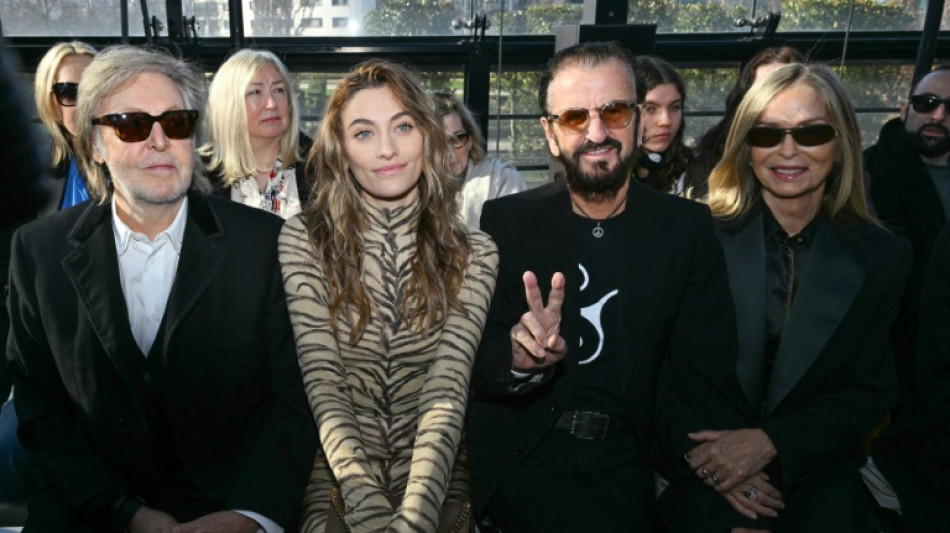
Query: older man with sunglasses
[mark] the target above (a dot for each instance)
(604, 286)
(156, 376)
(909, 171)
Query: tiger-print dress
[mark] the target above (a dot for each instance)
(390, 408)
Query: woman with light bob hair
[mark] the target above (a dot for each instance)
(55, 89)
(254, 147)
(388, 291)
(816, 284)
(107, 74)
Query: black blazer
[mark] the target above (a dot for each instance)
(675, 312)
(235, 399)
(834, 379)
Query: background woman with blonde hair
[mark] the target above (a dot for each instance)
(55, 88)
(254, 147)
(816, 285)
(388, 292)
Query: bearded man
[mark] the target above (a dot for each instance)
(910, 188)
(560, 427)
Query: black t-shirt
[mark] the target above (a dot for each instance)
(601, 268)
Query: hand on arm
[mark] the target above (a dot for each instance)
(536, 342)
(726, 458)
(148, 520)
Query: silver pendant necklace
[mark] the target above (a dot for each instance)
(598, 230)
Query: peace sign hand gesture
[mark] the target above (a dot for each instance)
(536, 342)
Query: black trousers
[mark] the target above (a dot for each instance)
(573, 485)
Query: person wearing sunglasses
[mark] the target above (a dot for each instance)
(255, 150)
(708, 147)
(56, 85)
(481, 178)
(909, 170)
(663, 158)
(150, 347)
(607, 288)
(816, 283)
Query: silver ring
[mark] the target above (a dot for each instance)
(706, 473)
(752, 494)
(715, 479)
(686, 457)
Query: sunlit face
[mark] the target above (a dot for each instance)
(383, 147)
(930, 131)
(155, 171)
(452, 123)
(598, 154)
(788, 171)
(267, 99)
(70, 71)
(661, 116)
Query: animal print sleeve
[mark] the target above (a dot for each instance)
(330, 399)
(445, 394)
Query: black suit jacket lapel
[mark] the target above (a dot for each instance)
(642, 233)
(837, 267)
(744, 248)
(558, 255)
(93, 270)
(200, 261)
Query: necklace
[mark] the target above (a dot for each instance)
(598, 231)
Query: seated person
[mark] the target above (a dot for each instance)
(255, 150)
(481, 178)
(816, 285)
(663, 157)
(156, 378)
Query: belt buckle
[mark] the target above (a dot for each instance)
(589, 425)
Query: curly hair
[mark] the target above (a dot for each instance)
(336, 218)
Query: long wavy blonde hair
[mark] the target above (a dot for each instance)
(336, 219)
(733, 186)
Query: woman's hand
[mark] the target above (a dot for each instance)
(727, 458)
(754, 497)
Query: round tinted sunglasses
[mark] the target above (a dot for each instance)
(135, 127)
(811, 135)
(927, 103)
(65, 93)
(459, 140)
(613, 114)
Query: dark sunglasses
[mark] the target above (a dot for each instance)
(65, 93)
(613, 114)
(459, 140)
(135, 127)
(927, 103)
(811, 135)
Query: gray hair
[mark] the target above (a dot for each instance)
(108, 73)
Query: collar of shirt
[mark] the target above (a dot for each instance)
(773, 229)
(174, 233)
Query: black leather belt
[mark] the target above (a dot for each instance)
(591, 425)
